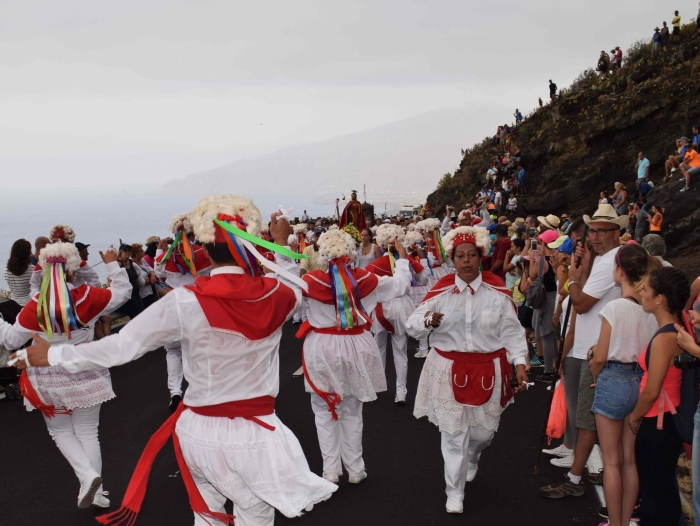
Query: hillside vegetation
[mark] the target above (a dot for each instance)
(588, 138)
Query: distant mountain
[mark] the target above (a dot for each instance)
(407, 157)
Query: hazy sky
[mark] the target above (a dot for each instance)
(96, 93)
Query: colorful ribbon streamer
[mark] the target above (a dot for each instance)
(438, 250)
(56, 312)
(346, 295)
(182, 246)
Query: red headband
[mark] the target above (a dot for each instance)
(221, 235)
(464, 238)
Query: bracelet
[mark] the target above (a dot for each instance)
(574, 282)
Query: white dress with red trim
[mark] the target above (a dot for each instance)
(396, 311)
(175, 270)
(349, 365)
(480, 322)
(230, 326)
(54, 385)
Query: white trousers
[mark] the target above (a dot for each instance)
(399, 344)
(423, 344)
(459, 450)
(76, 438)
(300, 313)
(173, 356)
(340, 440)
(262, 514)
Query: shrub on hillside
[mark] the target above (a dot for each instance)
(636, 52)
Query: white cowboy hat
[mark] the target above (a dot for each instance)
(606, 214)
(551, 221)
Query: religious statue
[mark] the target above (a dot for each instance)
(353, 213)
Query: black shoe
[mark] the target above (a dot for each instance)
(174, 402)
(546, 378)
(603, 512)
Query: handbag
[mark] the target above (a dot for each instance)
(537, 295)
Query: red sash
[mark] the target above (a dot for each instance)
(136, 491)
(27, 389)
(474, 376)
(379, 311)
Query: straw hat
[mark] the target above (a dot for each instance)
(606, 214)
(551, 221)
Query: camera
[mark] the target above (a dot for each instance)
(533, 244)
(686, 361)
(532, 232)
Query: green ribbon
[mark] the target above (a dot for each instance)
(43, 314)
(273, 247)
(169, 253)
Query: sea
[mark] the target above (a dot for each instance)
(105, 220)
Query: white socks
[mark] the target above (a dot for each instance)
(576, 479)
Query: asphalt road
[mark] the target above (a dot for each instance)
(405, 484)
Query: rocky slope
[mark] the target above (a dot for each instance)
(589, 137)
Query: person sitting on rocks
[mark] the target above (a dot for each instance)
(674, 160)
(690, 165)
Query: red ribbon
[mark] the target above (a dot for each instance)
(379, 311)
(136, 490)
(27, 389)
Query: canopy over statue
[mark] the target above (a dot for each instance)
(353, 213)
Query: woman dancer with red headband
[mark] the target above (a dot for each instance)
(179, 261)
(466, 382)
(228, 441)
(70, 402)
(341, 361)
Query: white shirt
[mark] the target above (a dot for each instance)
(321, 315)
(512, 201)
(498, 198)
(632, 329)
(220, 367)
(601, 285)
(178, 279)
(304, 217)
(482, 322)
(491, 173)
(144, 271)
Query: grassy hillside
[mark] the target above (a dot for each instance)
(588, 138)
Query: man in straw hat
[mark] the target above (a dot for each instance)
(475, 333)
(550, 221)
(228, 441)
(589, 290)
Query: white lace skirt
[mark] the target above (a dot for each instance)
(435, 399)
(348, 365)
(438, 272)
(418, 293)
(396, 311)
(56, 386)
(249, 464)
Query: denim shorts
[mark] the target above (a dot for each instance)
(617, 390)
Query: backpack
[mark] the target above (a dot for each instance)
(537, 295)
(690, 394)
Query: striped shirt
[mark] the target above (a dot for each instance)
(20, 290)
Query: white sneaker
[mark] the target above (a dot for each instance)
(332, 477)
(471, 471)
(421, 354)
(454, 506)
(563, 462)
(88, 488)
(356, 479)
(674, 170)
(100, 500)
(400, 399)
(559, 451)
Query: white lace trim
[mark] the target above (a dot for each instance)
(56, 386)
(212, 444)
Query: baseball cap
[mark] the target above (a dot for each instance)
(124, 247)
(492, 227)
(152, 239)
(567, 246)
(548, 236)
(80, 245)
(557, 242)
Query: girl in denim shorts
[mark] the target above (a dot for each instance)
(625, 331)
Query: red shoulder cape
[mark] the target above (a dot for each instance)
(201, 261)
(89, 303)
(241, 304)
(447, 283)
(382, 267)
(320, 290)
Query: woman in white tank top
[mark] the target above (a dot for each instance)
(367, 251)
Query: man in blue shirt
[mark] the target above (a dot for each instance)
(655, 40)
(642, 168)
(518, 117)
(521, 180)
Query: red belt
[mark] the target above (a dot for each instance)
(474, 376)
(136, 490)
(379, 311)
(306, 328)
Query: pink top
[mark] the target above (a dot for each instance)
(672, 386)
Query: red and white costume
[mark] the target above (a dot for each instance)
(343, 367)
(70, 401)
(389, 318)
(230, 442)
(177, 273)
(465, 383)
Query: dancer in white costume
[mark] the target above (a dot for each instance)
(341, 361)
(440, 264)
(70, 401)
(389, 317)
(419, 284)
(228, 440)
(466, 382)
(179, 262)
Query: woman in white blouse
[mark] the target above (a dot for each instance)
(367, 251)
(19, 270)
